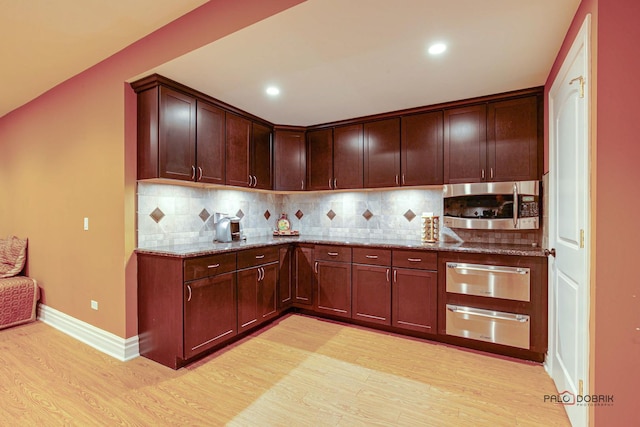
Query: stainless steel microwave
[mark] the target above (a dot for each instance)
(511, 205)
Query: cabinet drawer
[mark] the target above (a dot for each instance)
(332, 253)
(258, 256)
(371, 256)
(197, 268)
(425, 260)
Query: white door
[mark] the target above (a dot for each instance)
(569, 129)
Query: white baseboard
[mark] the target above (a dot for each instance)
(106, 342)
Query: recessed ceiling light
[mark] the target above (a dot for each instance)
(273, 91)
(437, 48)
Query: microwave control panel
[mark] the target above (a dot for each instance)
(528, 207)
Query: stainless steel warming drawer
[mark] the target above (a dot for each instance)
(487, 325)
(512, 283)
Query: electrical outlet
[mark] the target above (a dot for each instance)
(86, 223)
(94, 304)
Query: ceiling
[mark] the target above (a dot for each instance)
(332, 59)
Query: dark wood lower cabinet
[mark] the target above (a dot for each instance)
(303, 275)
(256, 295)
(209, 312)
(414, 299)
(333, 292)
(372, 294)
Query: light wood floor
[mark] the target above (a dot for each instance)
(300, 372)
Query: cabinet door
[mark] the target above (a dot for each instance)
(267, 298)
(177, 135)
(290, 160)
(320, 159)
(261, 156)
(238, 133)
(285, 290)
(348, 157)
(248, 311)
(303, 276)
(421, 154)
(465, 144)
(512, 140)
(210, 149)
(372, 294)
(333, 293)
(414, 294)
(209, 313)
(382, 153)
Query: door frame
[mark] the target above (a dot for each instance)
(582, 40)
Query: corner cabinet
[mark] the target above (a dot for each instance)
(290, 160)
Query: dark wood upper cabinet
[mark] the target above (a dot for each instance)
(465, 144)
(261, 157)
(320, 159)
(382, 153)
(421, 149)
(177, 135)
(290, 160)
(512, 140)
(210, 137)
(348, 155)
(238, 139)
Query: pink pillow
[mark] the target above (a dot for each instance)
(13, 254)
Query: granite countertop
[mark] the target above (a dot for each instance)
(198, 249)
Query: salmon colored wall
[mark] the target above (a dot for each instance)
(617, 354)
(70, 154)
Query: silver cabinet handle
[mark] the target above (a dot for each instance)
(255, 181)
(397, 183)
(329, 183)
(262, 272)
(387, 275)
(488, 313)
(213, 266)
(259, 256)
(193, 172)
(250, 181)
(515, 206)
(189, 289)
(371, 256)
(491, 172)
(332, 253)
(302, 184)
(315, 267)
(483, 174)
(395, 276)
(200, 176)
(463, 268)
(403, 181)
(335, 183)
(414, 259)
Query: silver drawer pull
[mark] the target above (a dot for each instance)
(414, 259)
(259, 256)
(332, 253)
(189, 289)
(464, 268)
(490, 314)
(213, 266)
(371, 256)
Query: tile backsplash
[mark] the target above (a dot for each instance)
(174, 214)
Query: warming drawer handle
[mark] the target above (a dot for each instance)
(213, 266)
(461, 268)
(332, 253)
(371, 256)
(502, 316)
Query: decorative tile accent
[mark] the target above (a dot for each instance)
(367, 215)
(331, 214)
(267, 214)
(299, 214)
(204, 215)
(157, 214)
(240, 214)
(409, 215)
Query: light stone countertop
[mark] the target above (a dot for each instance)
(199, 249)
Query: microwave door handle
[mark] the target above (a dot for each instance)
(516, 205)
